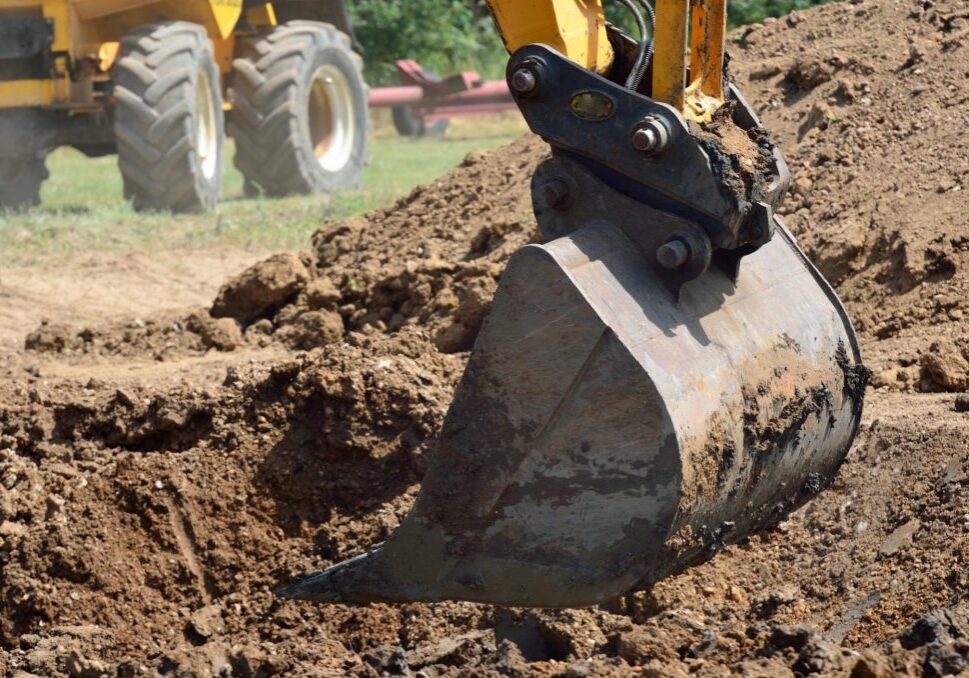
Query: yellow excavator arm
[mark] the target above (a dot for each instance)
(577, 29)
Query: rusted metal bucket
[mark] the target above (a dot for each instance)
(606, 435)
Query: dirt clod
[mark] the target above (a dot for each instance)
(946, 366)
(260, 288)
(222, 334)
(52, 337)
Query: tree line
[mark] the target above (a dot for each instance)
(450, 35)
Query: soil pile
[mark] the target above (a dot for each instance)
(431, 260)
(145, 517)
(861, 97)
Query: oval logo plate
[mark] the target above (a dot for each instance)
(592, 105)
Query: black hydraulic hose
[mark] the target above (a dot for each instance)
(645, 46)
(652, 44)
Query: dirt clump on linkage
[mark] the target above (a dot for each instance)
(147, 512)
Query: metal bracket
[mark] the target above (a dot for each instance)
(643, 148)
(566, 197)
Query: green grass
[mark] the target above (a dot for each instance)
(83, 209)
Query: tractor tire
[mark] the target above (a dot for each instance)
(20, 181)
(409, 125)
(168, 123)
(299, 115)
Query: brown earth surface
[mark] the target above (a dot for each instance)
(162, 468)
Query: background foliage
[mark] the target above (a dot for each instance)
(452, 35)
(752, 11)
(443, 35)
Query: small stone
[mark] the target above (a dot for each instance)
(207, 621)
(901, 538)
(249, 661)
(962, 403)
(861, 526)
(261, 289)
(636, 646)
(222, 334)
(784, 595)
(884, 378)
(80, 667)
(454, 338)
(807, 74)
(49, 338)
(322, 293)
(871, 665)
(312, 329)
(9, 528)
(125, 398)
(803, 186)
(55, 504)
(946, 367)
(262, 327)
(173, 417)
(736, 594)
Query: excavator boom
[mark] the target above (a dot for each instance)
(664, 375)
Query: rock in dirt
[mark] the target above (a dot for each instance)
(49, 338)
(871, 664)
(207, 621)
(942, 637)
(222, 334)
(311, 329)
(261, 288)
(807, 73)
(79, 666)
(961, 403)
(249, 661)
(9, 528)
(321, 293)
(946, 367)
(900, 538)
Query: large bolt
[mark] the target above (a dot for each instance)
(523, 81)
(673, 254)
(557, 194)
(651, 136)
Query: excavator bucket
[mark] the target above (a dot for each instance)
(666, 375)
(606, 435)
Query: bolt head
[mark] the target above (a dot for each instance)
(645, 140)
(557, 194)
(524, 81)
(651, 137)
(673, 254)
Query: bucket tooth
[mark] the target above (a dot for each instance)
(606, 435)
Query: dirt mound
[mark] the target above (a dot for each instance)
(171, 511)
(145, 519)
(431, 260)
(866, 121)
(861, 96)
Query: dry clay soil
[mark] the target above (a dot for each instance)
(165, 462)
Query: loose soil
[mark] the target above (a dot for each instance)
(164, 466)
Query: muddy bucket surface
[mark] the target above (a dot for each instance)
(606, 435)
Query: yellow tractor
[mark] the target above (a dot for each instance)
(161, 82)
